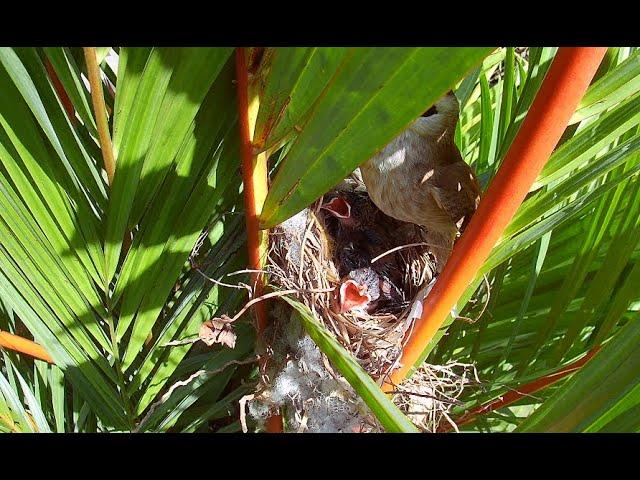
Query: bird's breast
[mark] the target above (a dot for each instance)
(397, 179)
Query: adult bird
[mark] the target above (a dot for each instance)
(420, 177)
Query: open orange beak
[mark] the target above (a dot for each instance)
(338, 207)
(353, 296)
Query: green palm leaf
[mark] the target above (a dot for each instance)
(606, 388)
(373, 95)
(561, 280)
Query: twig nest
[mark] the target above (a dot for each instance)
(316, 252)
(301, 385)
(428, 396)
(311, 253)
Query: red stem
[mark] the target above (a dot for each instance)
(522, 391)
(248, 164)
(62, 93)
(568, 78)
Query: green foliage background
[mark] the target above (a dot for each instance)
(563, 279)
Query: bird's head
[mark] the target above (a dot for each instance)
(358, 291)
(351, 296)
(354, 210)
(439, 119)
(338, 207)
(347, 214)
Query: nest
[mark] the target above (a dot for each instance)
(303, 257)
(429, 395)
(299, 383)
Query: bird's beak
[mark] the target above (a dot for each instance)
(353, 295)
(338, 207)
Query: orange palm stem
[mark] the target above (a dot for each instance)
(522, 391)
(248, 166)
(22, 345)
(254, 188)
(563, 87)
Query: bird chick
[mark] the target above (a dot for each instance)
(364, 290)
(360, 233)
(354, 210)
(420, 177)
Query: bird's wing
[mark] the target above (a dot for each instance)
(446, 152)
(456, 191)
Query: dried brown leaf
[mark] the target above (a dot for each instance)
(217, 330)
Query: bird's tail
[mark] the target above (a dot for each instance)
(440, 245)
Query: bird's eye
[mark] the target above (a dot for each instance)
(432, 111)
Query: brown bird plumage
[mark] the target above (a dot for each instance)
(420, 177)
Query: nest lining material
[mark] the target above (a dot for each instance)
(302, 257)
(299, 383)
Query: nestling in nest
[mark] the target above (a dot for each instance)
(363, 264)
(356, 269)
